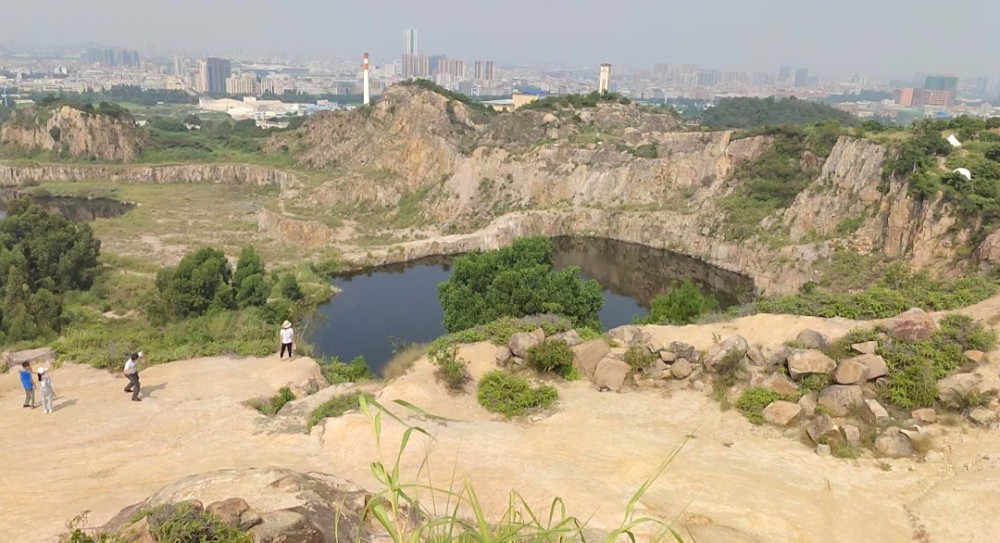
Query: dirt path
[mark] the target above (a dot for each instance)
(732, 482)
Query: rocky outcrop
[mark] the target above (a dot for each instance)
(236, 174)
(74, 132)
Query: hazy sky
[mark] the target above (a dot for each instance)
(840, 37)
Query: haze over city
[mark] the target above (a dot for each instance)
(852, 36)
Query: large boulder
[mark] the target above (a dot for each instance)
(735, 346)
(954, 388)
(32, 356)
(587, 354)
(912, 325)
(611, 373)
(781, 413)
(756, 356)
(778, 356)
(681, 369)
(976, 357)
(811, 339)
(683, 350)
(875, 363)
(850, 372)
(235, 512)
(895, 444)
(522, 341)
(808, 402)
(571, 337)
(868, 347)
(982, 416)
(630, 335)
(926, 415)
(780, 383)
(823, 429)
(805, 362)
(873, 413)
(841, 399)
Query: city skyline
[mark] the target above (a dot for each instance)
(856, 37)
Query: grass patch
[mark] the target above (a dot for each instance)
(728, 373)
(639, 357)
(336, 372)
(753, 401)
(269, 407)
(403, 359)
(551, 355)
(511, 395)
(335, 407)
(450, 367)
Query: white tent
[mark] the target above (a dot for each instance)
(964, 173)
(954, 141)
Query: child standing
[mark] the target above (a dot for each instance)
(28, 384)
(47, 393)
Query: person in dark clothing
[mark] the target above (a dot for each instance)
(132, 372)
(28, 384)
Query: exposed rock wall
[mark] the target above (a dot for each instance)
(72, 132)
(11, 176)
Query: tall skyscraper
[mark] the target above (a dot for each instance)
(410, 42)
(213, 73)
(941, 83)
(785, 74)
(801, 77)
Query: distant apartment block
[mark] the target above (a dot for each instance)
(484, 70)
(910, 97)
(410, 42)
(112, 57)
(212, 75)
(801, 77)
(245, 84)
(941, 83)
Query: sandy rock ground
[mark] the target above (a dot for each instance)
(731, 482)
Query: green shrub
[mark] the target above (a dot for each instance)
(270, 406)
(183, 523)
(510, 395)
(753, 401)
(334, 407)
(336, 372)
(553, 355)
(289, 288)
(451, 368)
(639, 357)
(683, 304)
(814, 383)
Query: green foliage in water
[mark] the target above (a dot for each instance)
(683, 304)
(511, 395)
(42, 257)
(516, 281)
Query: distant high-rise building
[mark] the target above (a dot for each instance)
(410, 42)
(604, 83)
(179, 65)
(941, 83)
(785, 74)
(436, 64)
(112, 57)
(801, 77)
(488, 74)
(213, 73)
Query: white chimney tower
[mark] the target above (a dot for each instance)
(364, 67)
(604, 83)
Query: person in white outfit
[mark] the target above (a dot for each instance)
(287, 339)
(46, 385)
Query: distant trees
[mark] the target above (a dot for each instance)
(516, 281)
(760, 112)
(683, 304)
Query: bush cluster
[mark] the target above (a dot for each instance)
(450, 367)
(683, 304)
(639, 357)
(511, 395)
(336, 372)
(761, 112)
(753, 401)
(551, 355)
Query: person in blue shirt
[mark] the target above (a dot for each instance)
(28, 384)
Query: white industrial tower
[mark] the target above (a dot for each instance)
(364, 67)
(604, 84)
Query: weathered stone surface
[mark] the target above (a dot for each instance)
(502, 355)
(912, 325)
(823, 450)
(668, 357)
(517, 361)
(571, 337)
(629, 335)
(982, 416)
(779, 356)
(781, 384)
(853, 434)
(895, 444)
(681, 369)
(868, 347)
(811, 339)
(822, 428)
(808, 402)
(683, 350)
(804, 362)
(737, 345)
(850, 372)
(872, 412)
(756, 356)
(522, 341)
(953, 388)
(875, 363)
(235, 512)
(32, 356)
(781, 413)
(926, 415)
(611, 373)
(656, 368)
(139, 532)
(539, 334)
(587, 354)
(840, 399)
(977, 357)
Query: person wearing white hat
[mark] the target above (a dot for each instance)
(132, 372)
(47, 393)
(287, 339)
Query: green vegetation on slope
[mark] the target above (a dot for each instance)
(508, 394)
(683, 304)
(762, 112)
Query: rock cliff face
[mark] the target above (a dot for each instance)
(72, 132)
(12, 176)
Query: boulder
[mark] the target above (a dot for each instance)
(781, 413)
(287, 526)
(668, 357)
(549, 119)
(976, 357)
(780, 383)
(138, 532)
(681, 369)
(629, 335)
(823, 450)
(868, 347)
(731, 346)
(522, 341)
(683, 350)
(517, 361)
(926, 415)
(502, 355)
(587, 354)
(32, 356)
(912, 325)
(539, 334)
(804, 362)
(850, 372)
(654, 345)
(235, 512)
(873, 413)
(808, 402)
(895, 444)
(656, 368)
(571, 337)
(875, 363)
(611, 373)
(840, 399)
(954, 388)
(853, 434)
(779, 356)
(756, 356)
(811, 339)
(823, 429)
(982, 416)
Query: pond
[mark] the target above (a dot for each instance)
(398, 304)
(74, 209)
